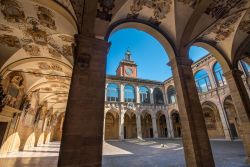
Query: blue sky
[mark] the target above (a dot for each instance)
(147, 52)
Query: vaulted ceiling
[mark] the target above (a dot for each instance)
(36, 37)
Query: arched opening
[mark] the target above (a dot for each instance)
(130, 130)
(234, 124)
(112, 92)
(219, 76)
(212, 120)
(158, 96)
(176, 123)
(111, 125)
(144, 95)
(161, 125)
(146, 125)
(129, 93)
(202, 81)
(171, 94)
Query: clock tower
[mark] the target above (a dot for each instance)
(127, 67)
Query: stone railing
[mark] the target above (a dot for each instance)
(133, 106)
(214, 93)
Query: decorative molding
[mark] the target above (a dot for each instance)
(219, 8)
(12, 11)
(104, 11)
(160, 9)
(245, 23)
(223, 29)
(45, 17)
(10, 41)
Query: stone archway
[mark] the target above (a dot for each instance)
(161, 125)
(232, 118)
(146, 125)
(111, 126)
(175, 117)
(212, 120)
(130, 129)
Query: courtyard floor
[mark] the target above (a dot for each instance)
(132, 153)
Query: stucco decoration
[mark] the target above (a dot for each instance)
(6, 28)
(54, 53)
(32, 50)
(67, 50)
(32, 30)
(66, 38)
(2, 95)
(245, 23)
(219, 8)
(104, 11)
(224, 28)
(191, 3)
(12, 11)
(160, 9)
(52, 66)
(45, 17)
(10, 41)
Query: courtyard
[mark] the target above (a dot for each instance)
(134, 153)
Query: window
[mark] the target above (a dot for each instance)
(218, 73)
(202, 81)
(171, 93)
(129, 93)
(144, 94)
(158, 96)
(246, 68)
(112, 92)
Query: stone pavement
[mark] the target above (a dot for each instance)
(132, 153)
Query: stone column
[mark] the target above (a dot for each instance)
(104, 125)
(171, 126)
(137, 94)
(121, 125)
(151, 90)
(83, 126)
(196, 143)
(138, 126)
(242, 105)
(224, 120)
(106, 88)
(122, 93)
(154, 126)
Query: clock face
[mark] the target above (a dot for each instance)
(129, 71)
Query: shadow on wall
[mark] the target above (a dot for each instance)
(11, 144)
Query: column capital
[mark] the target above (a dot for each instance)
(183, 61)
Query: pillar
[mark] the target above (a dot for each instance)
(242, 105)
(224, 120)
(151, 90)
(196, 143)
(121, 93)
(138, 126)
(121, 126)
(83, 126)
(137, 94)
(104, 126)
(154, 124)
(169, 127)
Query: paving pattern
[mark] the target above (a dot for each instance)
(132, 153)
